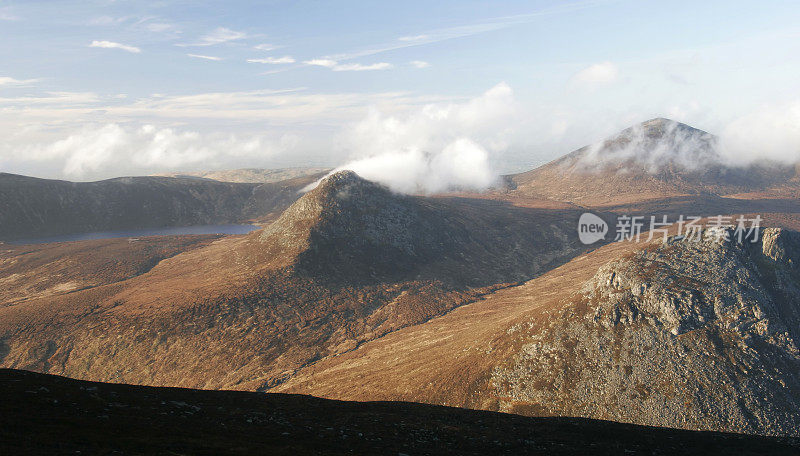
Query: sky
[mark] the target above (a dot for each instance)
(445, 91)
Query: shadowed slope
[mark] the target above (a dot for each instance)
(42, 414)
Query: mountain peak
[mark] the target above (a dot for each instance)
(659, 156)
(342, 185)
(347, 221)
(661, 126)
(652, 147)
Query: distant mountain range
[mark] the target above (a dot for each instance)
(252, 175)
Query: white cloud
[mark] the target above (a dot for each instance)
(54, 100)
(437, 147)
(360, 67)
(205, 57)
(327, 63)
(113, 45)
(420, 64)
(266, 47)
(462, 164)
(596, 75)
(273, 60)
(218, 36)
(88, 136)
(677, 148)
(280, 109)
(9, 81)
(770, 133)
(336, 66)
(414, 38)
(100, 149)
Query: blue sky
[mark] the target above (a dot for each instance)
(93, 89)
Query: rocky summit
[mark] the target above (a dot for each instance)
(700, 335)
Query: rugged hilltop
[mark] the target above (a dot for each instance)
(655, 159)
(701, 335)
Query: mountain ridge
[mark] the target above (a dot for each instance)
(35, 207)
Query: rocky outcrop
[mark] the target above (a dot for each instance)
(698, 335)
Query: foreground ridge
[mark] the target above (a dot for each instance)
(55, 415)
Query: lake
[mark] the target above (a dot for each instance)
(166, 231)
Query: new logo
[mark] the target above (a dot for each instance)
(591, 228)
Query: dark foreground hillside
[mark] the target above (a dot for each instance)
(44, 414)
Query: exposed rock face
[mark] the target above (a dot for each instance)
(700, 335)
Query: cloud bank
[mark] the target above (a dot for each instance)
(437, 148)
(770, 133)
(653, 146)
(146, 149)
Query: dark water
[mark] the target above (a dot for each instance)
(167, 231)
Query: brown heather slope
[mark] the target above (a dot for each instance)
(42, 414)
(449, 359)
(688, 335)
(347, 263)
(37, 270)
